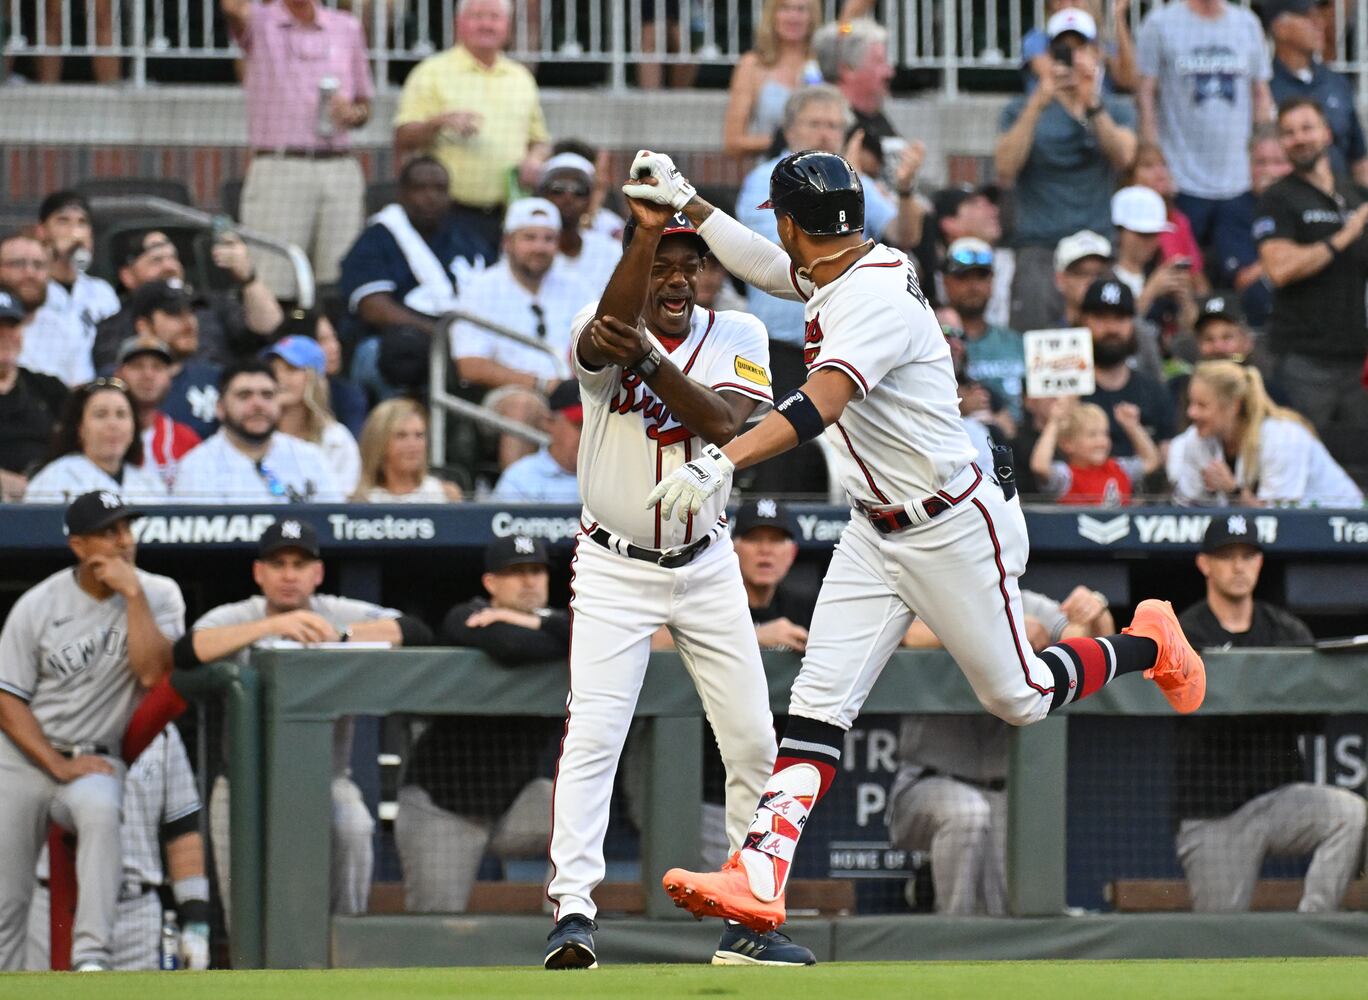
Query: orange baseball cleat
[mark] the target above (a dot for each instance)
(1178, 670)
(726, 894)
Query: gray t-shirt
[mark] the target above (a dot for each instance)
(1205, 68)
(970, 746)
(1067, 181)
(66, 654)
(339, 613)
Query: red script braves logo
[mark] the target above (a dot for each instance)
(635, 397)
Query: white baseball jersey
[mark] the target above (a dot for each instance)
(66, 654)
(631, 440)
(58, 340)
(496, 295)
(291, 471)
(901, 437)
(598, 259)
(66, 478)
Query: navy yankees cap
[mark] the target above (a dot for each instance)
(289, 533)
(1220, 305)
(10, 309)
(515, 550)
(1233, 529)
(95, 511)
(764, 513)
(1107, 295)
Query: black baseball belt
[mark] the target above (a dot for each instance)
(888, 519)
(668, 558)
(70, 750)
(987, 784)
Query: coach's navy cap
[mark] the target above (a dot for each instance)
(515, 550)
(10, 309)
(95, 511)
(764, 513)
(1107, 295)
(1233, 529)
(289, 533)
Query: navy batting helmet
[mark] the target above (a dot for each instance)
(678, 225)
(820, 191)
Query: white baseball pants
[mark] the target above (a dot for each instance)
(959, 573)
(618, 604)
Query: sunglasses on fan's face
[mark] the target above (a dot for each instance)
(963, 260)
(576, 188)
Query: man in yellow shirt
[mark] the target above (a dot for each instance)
(478, 112)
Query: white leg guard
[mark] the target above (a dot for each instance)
(772, 839)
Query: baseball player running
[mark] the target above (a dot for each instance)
(160, 804)
(75, 655)
(930, 532)
(659, 379)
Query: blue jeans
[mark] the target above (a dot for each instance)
(365, 371)
(1222, 225)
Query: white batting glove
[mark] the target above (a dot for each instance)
(194, 946)
(689, 485)
(670, 188)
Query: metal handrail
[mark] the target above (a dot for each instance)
(441, 402)
(299, 260)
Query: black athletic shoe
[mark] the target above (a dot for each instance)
(740, 945)
(570, 945)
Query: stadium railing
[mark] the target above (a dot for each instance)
(923, 34)
(303, 691)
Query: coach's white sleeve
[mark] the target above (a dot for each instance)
(599, 382)
(167, 603)
(752, 258)
(19, 647)
(742, 365)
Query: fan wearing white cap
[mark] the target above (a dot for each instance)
(1062, 150)
(1122, 74)
(567, 181)
(524, 293)
(1140, 216)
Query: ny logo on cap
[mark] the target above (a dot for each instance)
(766, 508)
(1235, 524)
(6, 301)
(110, 500)
(1215, 305)
(1111, 294)
(524, 546)
(290, 529)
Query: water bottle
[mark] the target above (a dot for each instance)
(327, 87)
(170, 942)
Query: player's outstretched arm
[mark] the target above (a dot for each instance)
(795, 419)
(748, 255)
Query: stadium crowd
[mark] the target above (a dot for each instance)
(1206, 231)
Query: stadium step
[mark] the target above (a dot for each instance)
(826, 897)
(1170, 895)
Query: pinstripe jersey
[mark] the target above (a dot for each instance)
(631, 440)
(901, 437)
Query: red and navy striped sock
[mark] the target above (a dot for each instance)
(807, 741)
(1082, 666)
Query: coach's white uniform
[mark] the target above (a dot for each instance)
(159, 793)
(630, 442)
(900, 444)
(66, 654)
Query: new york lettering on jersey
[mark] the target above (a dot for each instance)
(75, 655)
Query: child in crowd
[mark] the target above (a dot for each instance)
(1089, 474)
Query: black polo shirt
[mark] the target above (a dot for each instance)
(28, 414)
(1323, 315)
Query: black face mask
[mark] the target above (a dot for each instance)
(1109, 352)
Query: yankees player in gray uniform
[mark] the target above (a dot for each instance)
(289, 570)
(160, 804)
(76, 653)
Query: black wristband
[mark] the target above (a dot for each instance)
(1093, 111)
(646, 365)
(194, 911)
(1329, 245)
(802, 414)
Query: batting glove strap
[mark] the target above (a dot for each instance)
(670, 188)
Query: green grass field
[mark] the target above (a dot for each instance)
(1253, 979)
